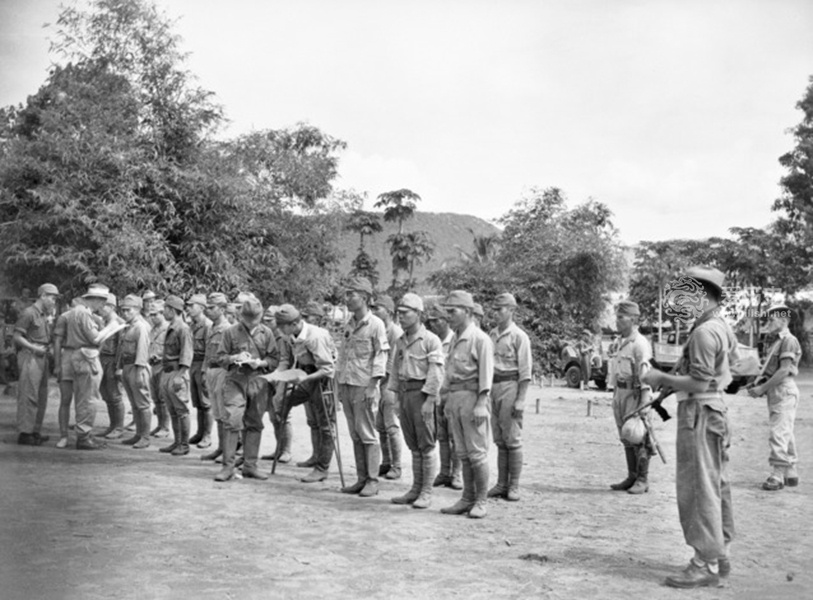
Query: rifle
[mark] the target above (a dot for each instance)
(663, 394)
(639, 412)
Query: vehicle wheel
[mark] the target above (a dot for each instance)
(573, 376)
(600, 383)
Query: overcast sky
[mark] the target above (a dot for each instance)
(673, 113)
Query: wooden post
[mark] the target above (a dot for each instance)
(589, 407)
(537, 406)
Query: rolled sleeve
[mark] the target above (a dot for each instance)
(702, 355)
(524, 358)
(485, 361)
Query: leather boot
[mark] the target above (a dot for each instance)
(219, 450)
(641, 486)
(285, 440)
(361, 469)
(199, 433)
(456, 473)
(632, 463)
(480, 472)
(229, 451)
(116, 429)
(386, 461)
(314, 457)
(514, 471)
(395, 445)
(176, 437)
(465, 503)
(206, 439)
(251, 451)
(417, 482)
(444, 476)
(163, 420)
(500, 490)
(429, 465)
(183, 430)
(143, 429)
(372, 453)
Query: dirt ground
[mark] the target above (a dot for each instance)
(123, 523)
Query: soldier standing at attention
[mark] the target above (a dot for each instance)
(630, 363)
(450, 473)
(312, 350)
(703, 437)
(468, 377)
(83, 336)
(133, 360)
(361, 366)
(158, 335)
(32, 336)
(200, 324)
(248, 349)
(214, 375)
(416, 374)
(387, 423)
(175, 375)
(782, 365)
(513, 365)
(110, 387)
(64, 374)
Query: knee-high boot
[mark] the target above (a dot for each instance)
(251, 452)
(465, 503)
(417, 481)
(501, 488)
(514, 471)
(480, 473)
(230, 439)
(183, 436)
(175, 435)
(632, 468)
(429, 464)
(219, 450)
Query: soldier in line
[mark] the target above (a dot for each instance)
(158, 335)
(248, 349)
(361, 366)
(32, 336)
(513, 365)
(703, 438)
(313, 314)
(386, 422)
(64, 374)
(200, 325)
(311, 350)
(781, 367)
(283, 432)
(214, 375)
(468, 378)
(450, 473)
(134, 365)
(175, 364)
(416, 374)
(630, 363)
(110, 387)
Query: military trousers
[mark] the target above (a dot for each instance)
(215, 377)
(175, 392)
(245, 400)
(506, 429)
(87, 377)
(137, 386)
(359, 413)
(782, 403)
(703, 486)
(32, 391)
(419, 432)
(470, 440)
(199, 397)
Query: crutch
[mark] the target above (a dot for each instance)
(286, 410)
(327, 388)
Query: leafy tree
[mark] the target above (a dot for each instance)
(485, 248)
(365, 224)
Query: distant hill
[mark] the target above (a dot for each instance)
(445, 229)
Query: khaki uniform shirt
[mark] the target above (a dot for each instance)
(213, 338)
(260, 343)
(633, 349)
(707, 356)
(178, 345)
(363, 354)
(81, 328)
(33, 325)
(418, 358)
(471, 359)
(512, 352)
(312, 347)
(135, 343)
(787, 346)
(200, 331)
(158, 335)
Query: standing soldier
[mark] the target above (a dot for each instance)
(703, 436)
(450, 473)
(311, 349)
(248, 349)
(200, 324)
(32, 336)
(513, 365)
(313, 314)
(630, 363)
(468, 377)
(158, 335)
(215, 375)
(387, 422)
(83, 336)
(133, 360)
(362, 364)
(64, 374)
(416, 374)
(778, 382)
(585, 349)
(110, 387)
(283, 432)
(175, 364)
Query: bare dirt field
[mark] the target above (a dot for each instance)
(123, 523)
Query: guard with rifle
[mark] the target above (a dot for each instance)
(312, 351)
(630, 363)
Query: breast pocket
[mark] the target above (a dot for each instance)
(360, 348)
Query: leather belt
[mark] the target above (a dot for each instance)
(502, 377)
(411, 385)
(470, 385)
(623, 385)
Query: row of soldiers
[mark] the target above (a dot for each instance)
(434, 377)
